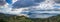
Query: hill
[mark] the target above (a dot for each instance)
(13, 18)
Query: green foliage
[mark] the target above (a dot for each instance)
(4, 18)
(1, 20)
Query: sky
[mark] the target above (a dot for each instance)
(9, 1)
(31, 8)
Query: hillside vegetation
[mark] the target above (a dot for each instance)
(4, 18)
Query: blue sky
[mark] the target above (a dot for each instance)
(9, 1)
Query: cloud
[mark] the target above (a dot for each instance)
(39, 1)
(26, 3)
(57, 1)
(29, 11)
(2, 2)
(9, 1)
(40, 16)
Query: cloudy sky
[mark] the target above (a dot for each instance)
(29, 7)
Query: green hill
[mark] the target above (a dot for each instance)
(4, 18)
